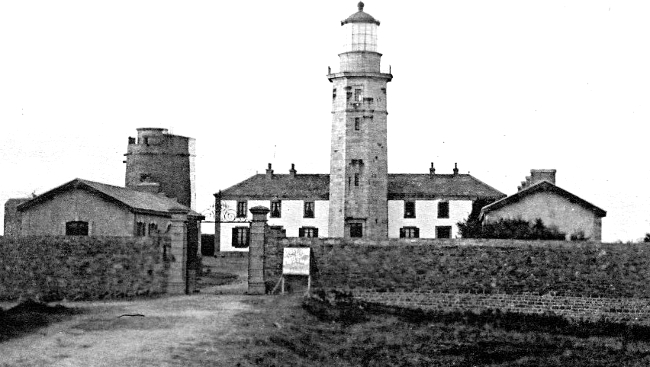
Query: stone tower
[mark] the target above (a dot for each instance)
(161, 162)
(358, 166)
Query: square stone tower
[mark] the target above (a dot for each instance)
(358, 163)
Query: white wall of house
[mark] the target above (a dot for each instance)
(426, 217)
(291, 219)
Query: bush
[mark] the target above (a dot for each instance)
(518, 229)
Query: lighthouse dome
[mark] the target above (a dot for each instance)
(360, 17)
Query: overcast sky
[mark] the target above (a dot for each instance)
(500, 87)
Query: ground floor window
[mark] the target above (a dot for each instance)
(356, 230)
(240, 237)
(140, 229)
(153, 229)
(443, 232)
(409, 232)
(76, 228)
(309, 232)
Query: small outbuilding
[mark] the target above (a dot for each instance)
(87, 208)
(539, 198)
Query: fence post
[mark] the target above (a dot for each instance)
(256, 251)
(177, 283)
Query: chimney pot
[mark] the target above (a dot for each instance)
(292, 171)
(455, 169)
(269, 172)
(432, 171)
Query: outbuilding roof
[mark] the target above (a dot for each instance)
(136, 201)
(400, 186)
(543, 186)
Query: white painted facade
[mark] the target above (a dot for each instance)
(291, 219)
(426, 217)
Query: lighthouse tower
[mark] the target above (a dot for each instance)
(358, 166)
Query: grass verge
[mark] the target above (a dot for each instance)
(338, 331)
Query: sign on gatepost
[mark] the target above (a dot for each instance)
(296, 261)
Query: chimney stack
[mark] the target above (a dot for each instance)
(538, 175)
(455, 169)
(292, 171)
(432, 171)
(269, 172)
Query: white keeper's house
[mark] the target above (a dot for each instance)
(358, 198)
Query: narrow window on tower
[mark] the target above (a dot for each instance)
(357, 123)
(356, 179)
(357, 95)
(334, 94)
(348, 96)
(356, 230)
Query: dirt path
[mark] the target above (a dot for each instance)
(173, 331)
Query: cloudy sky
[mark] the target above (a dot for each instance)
(500, 87)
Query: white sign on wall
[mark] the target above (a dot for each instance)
(295, 261)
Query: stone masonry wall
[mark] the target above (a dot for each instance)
(575, 279)
(75, 268)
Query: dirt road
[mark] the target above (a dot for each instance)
(171, 332)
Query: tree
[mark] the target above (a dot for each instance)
(647, 237)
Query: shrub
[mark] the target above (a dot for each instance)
(509, 229)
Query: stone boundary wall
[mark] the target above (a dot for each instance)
(575, 279)
(79, 268)
(627, 310)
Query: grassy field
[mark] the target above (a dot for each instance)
(320, 333)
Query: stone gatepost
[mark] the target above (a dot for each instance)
(256, 251)
(177, 281)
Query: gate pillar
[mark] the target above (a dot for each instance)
(256, 251)
(177, 281)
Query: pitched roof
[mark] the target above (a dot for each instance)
(136, 201)
(543, 186)
(281, 186)
(423, 186)
(316, 186)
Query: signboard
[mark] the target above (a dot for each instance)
(295, 261)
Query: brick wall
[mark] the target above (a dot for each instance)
(574, 279)
(74, 268)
